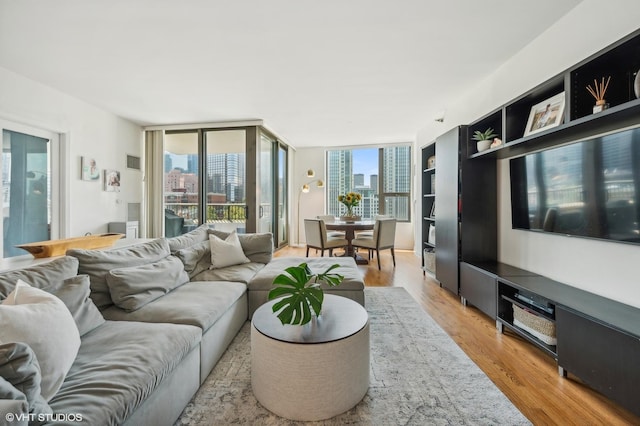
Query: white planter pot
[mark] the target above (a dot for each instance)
(483, 145)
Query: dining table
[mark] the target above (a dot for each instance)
(350, 229)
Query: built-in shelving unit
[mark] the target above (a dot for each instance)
(620, 62)
(428, 156)
(596, 339)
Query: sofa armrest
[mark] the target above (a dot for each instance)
(14, 412)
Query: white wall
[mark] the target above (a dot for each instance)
(605, 268)
(87, 131)
(312, 203)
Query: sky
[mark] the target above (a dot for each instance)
(365, 161)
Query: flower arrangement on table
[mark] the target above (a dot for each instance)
(350, 200)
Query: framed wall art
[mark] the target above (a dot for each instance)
(112, 181)
(89, 169)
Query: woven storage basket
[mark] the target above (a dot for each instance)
(540, 327)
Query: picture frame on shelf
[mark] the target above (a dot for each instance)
(545, 115)
(431, 162)
(432, 213)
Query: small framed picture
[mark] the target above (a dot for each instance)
(89, 169)
(112, 181)
(545, 115)
(433, 210)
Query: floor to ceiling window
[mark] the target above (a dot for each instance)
(206, 175)
(381, 175)
(27, 190)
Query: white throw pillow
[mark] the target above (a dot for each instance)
(226, 252)
(43, 322)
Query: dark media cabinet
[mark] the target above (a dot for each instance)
(596, 339)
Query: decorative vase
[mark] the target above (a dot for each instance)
(483, 145)
(636, 84)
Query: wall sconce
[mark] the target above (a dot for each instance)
(304, 189)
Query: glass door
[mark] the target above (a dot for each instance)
(181, 183)
(226, 191)
(26, 190)
(266, 194)
(282, 234)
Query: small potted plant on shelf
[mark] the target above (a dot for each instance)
(483, 139)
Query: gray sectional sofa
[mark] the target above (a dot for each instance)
(163, 320)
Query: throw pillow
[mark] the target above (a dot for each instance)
(98, 263)
(196, 258)
(189, 239)
(40, 276)
(133, 287)
(258, 247)
(226, 252)
(20, 371)
(74, 293)
(43, 322)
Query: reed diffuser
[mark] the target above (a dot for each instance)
(597, 91)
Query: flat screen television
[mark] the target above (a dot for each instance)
(587, 189)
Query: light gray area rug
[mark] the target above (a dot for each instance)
(419, 376)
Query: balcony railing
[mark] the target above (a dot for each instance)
(215, 213)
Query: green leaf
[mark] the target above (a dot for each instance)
(301, 293)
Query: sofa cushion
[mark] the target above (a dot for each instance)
(227, 252)
(43, 322)
(194, 303)
(196, 258)
(189, 239)
(40, 276)
(20, 376)
(237, 273)
(263, 280)
(257, 247)
(133, 287)
(118, 367)
(97, 263)
(74, 293)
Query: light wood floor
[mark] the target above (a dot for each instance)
(527, 376)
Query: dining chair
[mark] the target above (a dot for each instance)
(316, 235)
(369, 234)
(329, 219)
(384, 235)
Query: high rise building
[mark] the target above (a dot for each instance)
(358, 180)
(192, 163)
(373, 182)
(339, 179)
(168, 163)
(225, 175)
(397, 178)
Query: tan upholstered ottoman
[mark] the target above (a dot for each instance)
(352, 287)
(315, 371)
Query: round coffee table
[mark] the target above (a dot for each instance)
(311, 372)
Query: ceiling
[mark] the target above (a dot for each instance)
(319, 73)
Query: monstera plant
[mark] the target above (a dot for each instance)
(301, 293)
